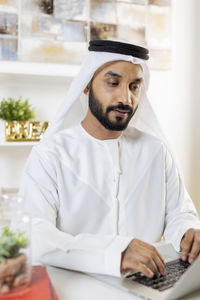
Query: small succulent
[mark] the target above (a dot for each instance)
(11, 243)
(16, 110)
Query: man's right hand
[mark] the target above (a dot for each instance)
(142, 257)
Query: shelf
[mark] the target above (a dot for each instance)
(17, 144)
(38, 69)
(8, 36)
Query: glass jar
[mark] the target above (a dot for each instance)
(15, 263)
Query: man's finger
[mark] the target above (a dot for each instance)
(150, 263)
(186, 244)
(145, 270)
(195, 248)
(159, 261)
(153, 249)
(160, 257)
(160, 264)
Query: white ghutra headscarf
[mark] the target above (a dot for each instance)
(75, 105)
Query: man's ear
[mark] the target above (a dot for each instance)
(87, 89)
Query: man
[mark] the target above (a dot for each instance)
(105, 188)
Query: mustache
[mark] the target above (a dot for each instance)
(120, 106)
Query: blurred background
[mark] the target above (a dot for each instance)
(43, 42)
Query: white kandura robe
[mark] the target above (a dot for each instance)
(89, 198)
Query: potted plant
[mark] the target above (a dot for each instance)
(14, 110)
(14, 271)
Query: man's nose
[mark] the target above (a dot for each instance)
(125, 96)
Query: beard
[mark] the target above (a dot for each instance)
(120, 123)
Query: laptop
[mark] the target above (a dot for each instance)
(181, 279)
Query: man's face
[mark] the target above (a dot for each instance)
(114, 94)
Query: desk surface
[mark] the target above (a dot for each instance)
(72, 285)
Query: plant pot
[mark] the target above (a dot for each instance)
(15, 255)
(15, 274)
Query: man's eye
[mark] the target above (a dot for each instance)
(113, 83)
(134, 87)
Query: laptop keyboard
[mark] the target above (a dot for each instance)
(159, 282)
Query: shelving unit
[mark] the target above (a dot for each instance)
(18, 144)
(38, 69)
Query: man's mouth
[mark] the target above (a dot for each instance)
(120, 112)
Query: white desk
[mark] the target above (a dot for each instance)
(71, 285)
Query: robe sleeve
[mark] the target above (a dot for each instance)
(84, 252)
(181, 214)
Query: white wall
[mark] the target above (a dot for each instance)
(175, 95)
(186, 85)
(178, 117)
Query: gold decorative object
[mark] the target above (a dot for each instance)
(24, 131)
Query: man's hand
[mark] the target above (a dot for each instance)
(143, 258)
(190, 245)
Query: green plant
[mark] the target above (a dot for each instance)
(18, 110)
(11, 243)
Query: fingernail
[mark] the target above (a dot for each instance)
(151, 273)
(184, 257)
(191, 260)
